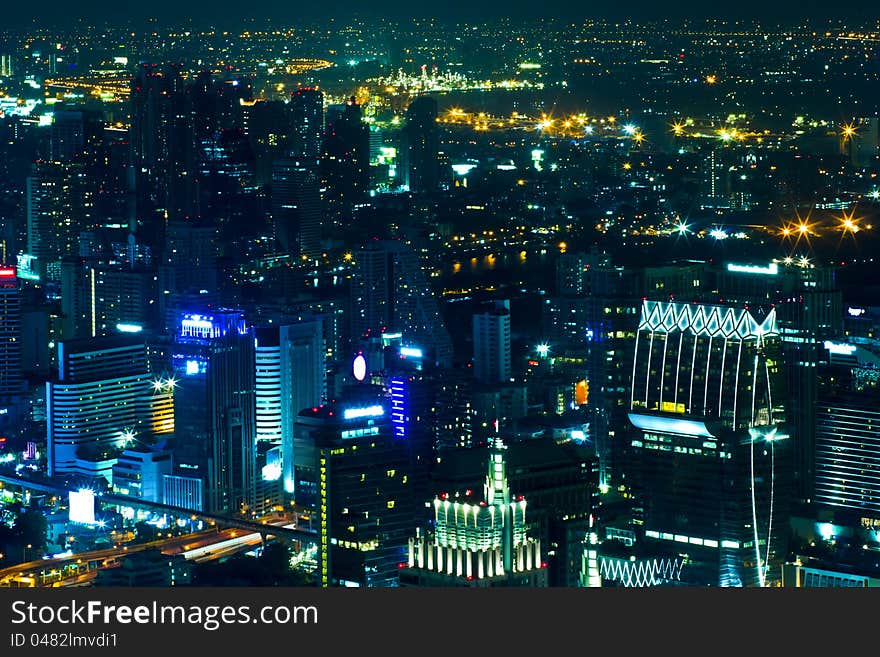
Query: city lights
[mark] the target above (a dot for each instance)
(368, 411)
(269, 286)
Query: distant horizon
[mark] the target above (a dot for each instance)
(788, 13)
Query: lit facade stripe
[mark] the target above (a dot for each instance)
(398, 407)
(848, 457)
(713, 321)
(640, 573)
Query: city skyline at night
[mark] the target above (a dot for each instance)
(276, 290)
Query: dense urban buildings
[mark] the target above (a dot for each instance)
(380, 302)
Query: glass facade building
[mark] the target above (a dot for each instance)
(709, 451)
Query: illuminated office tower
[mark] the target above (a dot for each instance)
(98, 298)
(708, 403)
(414, 405)
(307, 123)
(390, 292)
(422, 136)
(492, 343)
(296, 208)
(57, 200)
(848, 433)
(101, 402)
(809, 311)
(354, 472)
(267, 389)
(589, 326)
(11, 381)
(6, 66)
(303, 383)
(477, 542)
(213, 363)
(454, 417)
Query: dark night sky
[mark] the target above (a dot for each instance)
(226, 11)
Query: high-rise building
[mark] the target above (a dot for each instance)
(307, 123)
(492, 343)
(58, 208)
(391, 293)
(477, 542)
(560, 481)
(296, 208)
(809, 310)
(189, 268)
(98, 298)
(11, 381)
(454, 416)
(345, 160)
(303, 384)
(213, 363)
(709, 457)
(267, 388)
(353, 471)
(103, 400)
(151, 136)
(848, 432)
(422, 136)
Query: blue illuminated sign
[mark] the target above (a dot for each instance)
(366, 411)
(193, 325)
(398, 407)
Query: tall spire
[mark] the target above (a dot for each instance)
(496, 489)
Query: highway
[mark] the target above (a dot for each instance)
(292, 533)
(80, 569)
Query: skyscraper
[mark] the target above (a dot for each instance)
(158, 136)
(355, 474)
(296, 208)
(492, 343)
(58, 199)
(102, 401)
(307, 122)
(709, 454)
(214, 408)
(303, 383)
(477, 542)
(848, 432)
(345, 160)
(267, 388)
(74, 132)
(11, 381)
(390, 292)
(422, 137)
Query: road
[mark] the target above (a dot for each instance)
(80, 569)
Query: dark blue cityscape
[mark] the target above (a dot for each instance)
(371, 300)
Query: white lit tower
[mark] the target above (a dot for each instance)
(477, 543)
(707, 401)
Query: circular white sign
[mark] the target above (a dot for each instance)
(359, 367)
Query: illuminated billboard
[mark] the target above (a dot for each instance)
(82, 506)
(359, 367)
